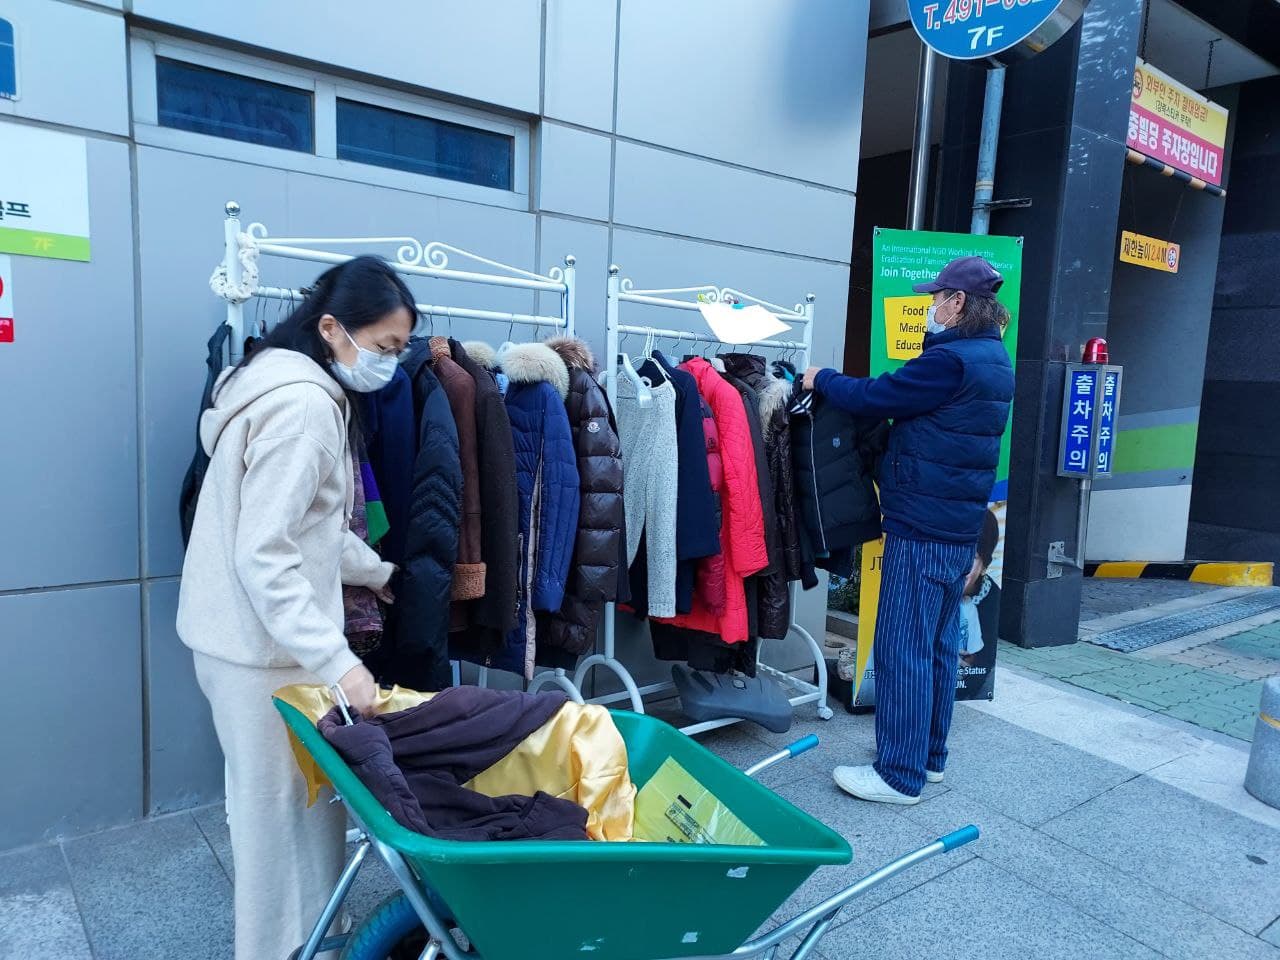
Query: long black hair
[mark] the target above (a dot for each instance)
(357, 293)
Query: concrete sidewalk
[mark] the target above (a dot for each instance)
(1108, 832)
(1210, 676)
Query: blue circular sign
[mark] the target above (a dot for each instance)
(1003, 29)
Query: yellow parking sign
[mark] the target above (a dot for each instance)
(1149, 252)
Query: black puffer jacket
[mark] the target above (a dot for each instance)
(834, 457)
(773, 395)
(594, 574)
(417, 655)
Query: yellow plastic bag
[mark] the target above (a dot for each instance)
(674, 807)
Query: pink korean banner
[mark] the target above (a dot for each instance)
(1172, 123)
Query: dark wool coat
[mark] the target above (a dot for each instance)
(460, 388)
(493, 615)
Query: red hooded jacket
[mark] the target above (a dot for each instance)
(742, 517)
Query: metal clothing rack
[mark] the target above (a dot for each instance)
(621, 290)
(236, 281)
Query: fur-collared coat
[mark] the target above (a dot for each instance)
(547, 481)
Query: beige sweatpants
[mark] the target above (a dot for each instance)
(287, 857)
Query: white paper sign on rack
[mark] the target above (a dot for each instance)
(736, 323)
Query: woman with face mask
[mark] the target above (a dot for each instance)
(261, 596)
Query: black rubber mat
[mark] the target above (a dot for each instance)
(1141, 635)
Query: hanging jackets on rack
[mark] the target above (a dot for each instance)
(773, 396)
(751, 407)
(391, 441)
(491, 617)
(834, 455)
(697, 523)
(567, 634)
(650, 489)
(701, 649)
(460, 388)
(742, 529)
(547, 481)
(418, 654)
(709, 579)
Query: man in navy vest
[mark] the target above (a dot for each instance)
(949, 408)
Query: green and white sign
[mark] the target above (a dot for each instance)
(900, 259)
(44, 193)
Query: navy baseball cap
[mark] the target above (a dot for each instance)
(973, 275)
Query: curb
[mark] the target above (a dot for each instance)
(1226, 574)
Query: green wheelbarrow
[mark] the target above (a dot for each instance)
(538, 900)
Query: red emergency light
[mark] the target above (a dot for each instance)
(1095, 351)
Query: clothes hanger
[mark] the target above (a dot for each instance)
(509, 342)
(649, 368)
(644, 393)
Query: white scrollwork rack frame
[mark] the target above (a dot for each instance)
(236, 280)
(622, 290)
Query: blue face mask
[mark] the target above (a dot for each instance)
(931, 319)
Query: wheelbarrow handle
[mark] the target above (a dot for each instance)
(958, 838)
(797, 748)
(803, 744)
(818, 919)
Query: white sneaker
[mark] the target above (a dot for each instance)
(933, 776)
(865, 784)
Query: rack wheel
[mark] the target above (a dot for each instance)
(392, 932)
(825, 712)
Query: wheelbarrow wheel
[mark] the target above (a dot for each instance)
(392, 932)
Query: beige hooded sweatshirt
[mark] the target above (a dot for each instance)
(271, 544)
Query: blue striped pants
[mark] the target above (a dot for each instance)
(917, 651)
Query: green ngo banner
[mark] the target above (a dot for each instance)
(900, 259)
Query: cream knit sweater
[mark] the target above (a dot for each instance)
(649, 482)
(271, 544)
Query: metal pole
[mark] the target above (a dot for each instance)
(920, 146)
(984, 187)
(570, 294)
(1082, 532)
(613, 288)
(231, 258)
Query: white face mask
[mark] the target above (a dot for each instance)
(371, 371)
(931, 318)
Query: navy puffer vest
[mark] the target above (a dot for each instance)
(940, 467)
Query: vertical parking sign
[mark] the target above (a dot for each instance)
(1090, 404)
(1108, 404)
